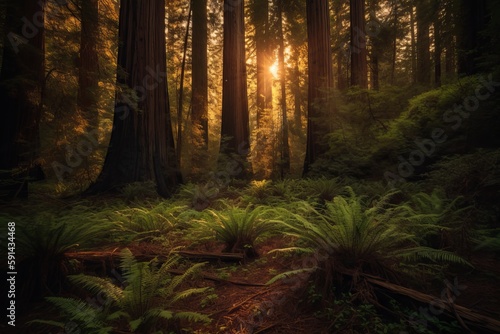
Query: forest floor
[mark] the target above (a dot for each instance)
(240, 301)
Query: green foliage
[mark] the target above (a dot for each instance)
(351, 234)
(139, 191)
(147, 223)
(42, 246)
(142, 303)
(239, 229)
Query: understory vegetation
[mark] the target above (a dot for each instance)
(132, 262)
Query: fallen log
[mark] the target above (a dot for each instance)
(464, 313)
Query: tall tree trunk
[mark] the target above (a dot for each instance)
(199, 116)
(359, 67)
(375, 48)
(341, 82)
(423, 43)
(449, 38)
(471, 22)
(320, 79)
(235, 119)
(180, 101)
(413, 45)
(438, 49)
(395, 24)
(285, 147)
(21, 83)
(141, 145)
(264, 95)
(88, 79)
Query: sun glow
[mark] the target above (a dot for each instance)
(274, 69)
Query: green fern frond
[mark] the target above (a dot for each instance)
(97, 285)
(289, 274)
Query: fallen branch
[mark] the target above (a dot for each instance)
(464, 313)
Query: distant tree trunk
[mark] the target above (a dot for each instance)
(341, 82)
(320, 79)
(88, 79)
(180, 101)
(449, 38)
(413, 46)
(21, 83)
(438, 49)
(375, 48)
(235, 119)
(260, 20)
(359, 67)
(199, 116)
(471, 22)
(395, 24)
(141, 146)
(423, 43)
(264, 95)
(285, 147)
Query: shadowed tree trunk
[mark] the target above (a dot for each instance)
(88, 79)
(320, 79)
(285, 147)
(359, 67)
(141, 145)
(21, 84)
(471, 22)
(423, 74)
(235, 121)
(438, 49)
(199, 102)
(264, 92)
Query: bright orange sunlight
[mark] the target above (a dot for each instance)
(274, 68)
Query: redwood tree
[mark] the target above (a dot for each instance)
(88, 80)
(21, 83)
(235, 121)
(199, 116)
(359, 67)
(320, 78)
(141, 145)
(423, 74)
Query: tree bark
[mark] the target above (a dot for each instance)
(285, 147)
(235, 119)
(423, 43)
(359, 67)
(320, 79)
(438, 49)
(88, 79)
(413, 46)
(141, 145)
(470, 24)
(21, 83)
(199, 116)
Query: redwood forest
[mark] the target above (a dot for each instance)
(250, 166)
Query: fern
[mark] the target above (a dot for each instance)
(145, 287)
(239, 229)
(360, 237)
